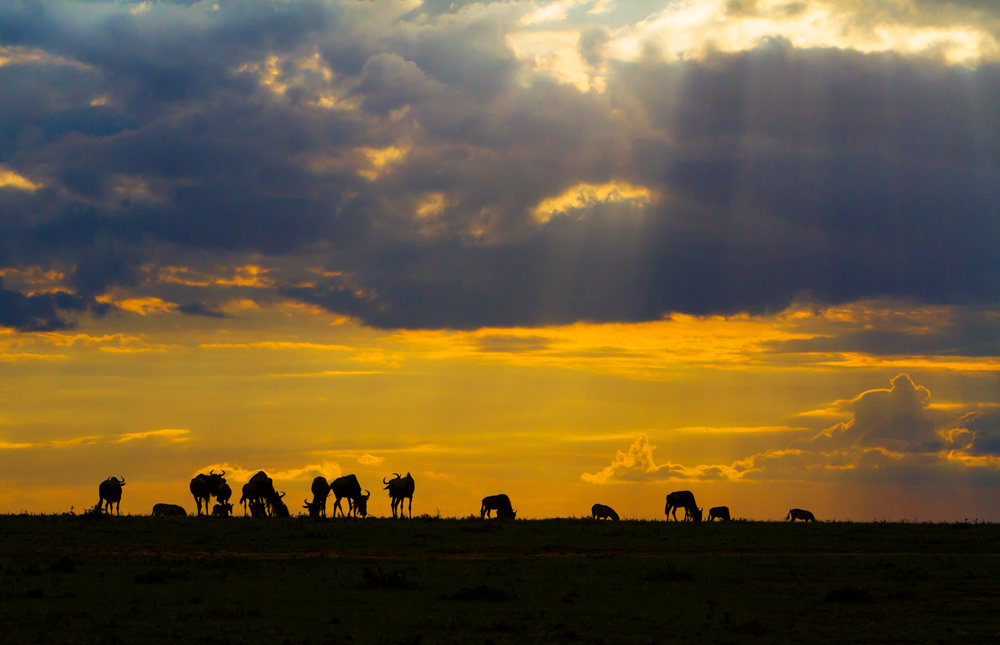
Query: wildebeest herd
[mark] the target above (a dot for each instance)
(260, 499)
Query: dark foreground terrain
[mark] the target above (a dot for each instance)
(82, 579)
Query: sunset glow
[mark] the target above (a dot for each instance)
(573, 251)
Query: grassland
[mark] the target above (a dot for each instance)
(83, 579)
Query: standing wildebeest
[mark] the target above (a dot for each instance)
(600, 512)
(499, 503)
(223, 509)
(260, 488)
(799, 514)
(225, 492)
(320, 490)
(720, 512)
(682, 499)
(348, 486)
(203, 487)
(168, 510)
(110, 491)
(400, 488)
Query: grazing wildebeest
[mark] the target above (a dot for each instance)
(718, 512)
(321, 490)
(260, 488)
(311, 507)
(400, 488)
(110, 491)
(499, 503)
(203, 487)
(682, 499)
(278, 507)
(168, 510)
(600, 512)
(224, 509)
(800, 514)
(348, 486)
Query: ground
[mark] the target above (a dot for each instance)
(80, 579)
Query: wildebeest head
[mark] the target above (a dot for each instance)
(695, 514)
(312, 507)
(361, 504)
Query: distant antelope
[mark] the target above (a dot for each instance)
(499, 503)
(601, 512)
(400, 488)
(348, 486)
(203, 487)
(719, 512)
(682, 499)
(799, 514)
(110, 491)
(168, 510)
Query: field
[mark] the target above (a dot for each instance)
(81, 579)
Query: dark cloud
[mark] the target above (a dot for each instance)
(201, 309)
(778, 173)
(41, 312)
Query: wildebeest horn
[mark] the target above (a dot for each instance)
(211, 472)
(396, 477)
(222, 474)
(282, 495)
(122, 482)
(369, 493)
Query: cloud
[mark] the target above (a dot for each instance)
(236, 135)
(637, 465)
(235, 473)
(894, 435)
(171, 435)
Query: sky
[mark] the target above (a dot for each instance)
(574, 251)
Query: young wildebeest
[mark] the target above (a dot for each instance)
(225, 492)
(799, 514)
(720, 512)
(499, 503)
(224, 509)
(203, 487)
(682, 499)
(600, 512)
(168, 510)
(110, 491)
(400, 488)
(348, 486)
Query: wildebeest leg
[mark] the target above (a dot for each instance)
(409, 508)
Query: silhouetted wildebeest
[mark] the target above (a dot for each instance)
(256, 507)
(260, 488)
(168, 510)
(682, 499)
(203, 487)
(719, 512)
(110, 491)
(278, 507)
(799, 514)
(321, 490)
(499, 503)
(225, 492)
(348, 486)
(600, 512)
(224, 509)
(400, 488)
(312, 507)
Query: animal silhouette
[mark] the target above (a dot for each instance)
(400, 488)
(321, 490)
(499, 503)
(222, 509)
(278, 507)
(719, 512)
(348, 486)
(800, 514)
(110, 491)
(203, 487)
(168, 510)
(600, 512)
(260, 488)
(682, 499)
(225, 492)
